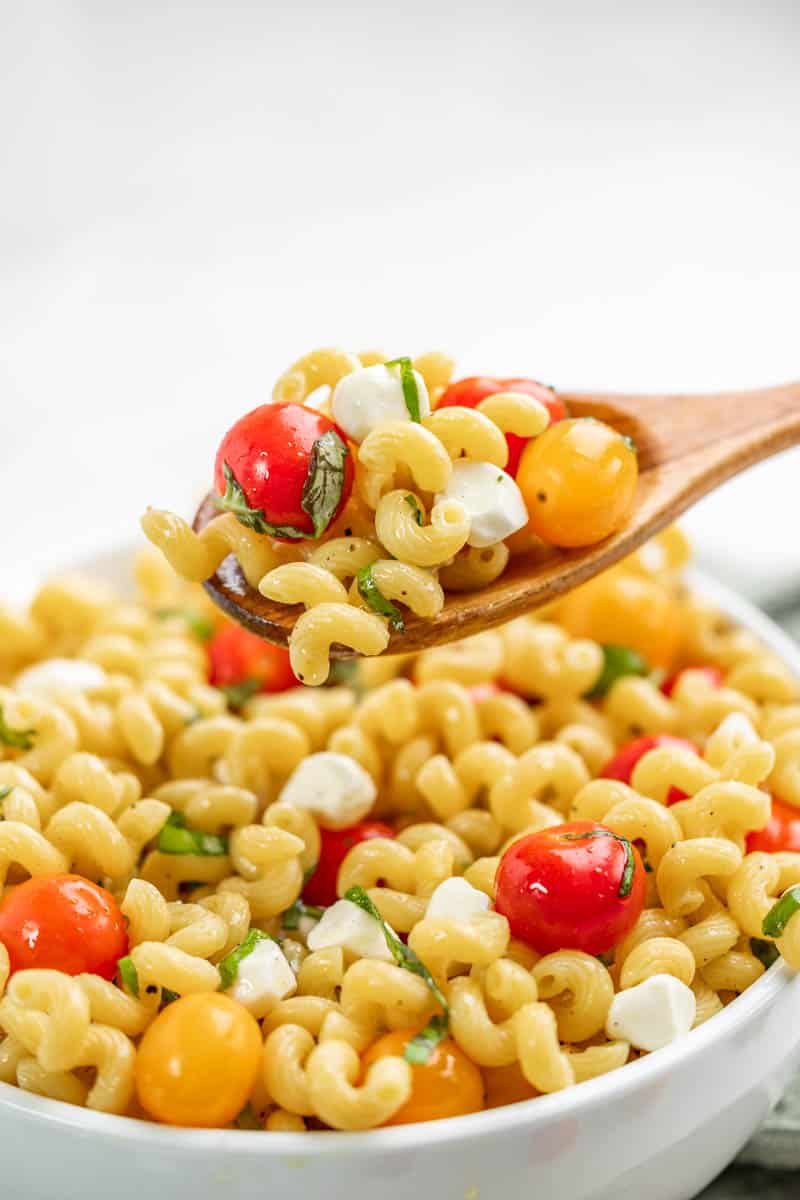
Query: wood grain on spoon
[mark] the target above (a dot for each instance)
(687, 446)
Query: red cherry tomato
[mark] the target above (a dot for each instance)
(236, 656)
(469, 392)
(576, 886)
(713, 674)
(63, 923)
(622, 764)
(782, 831)
(321, 887)
(269, 453)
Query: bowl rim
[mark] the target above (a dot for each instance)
(530, 1114)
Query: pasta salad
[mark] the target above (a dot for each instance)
(369, 488)
(445, 883)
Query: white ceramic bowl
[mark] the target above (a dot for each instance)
(657, 1129)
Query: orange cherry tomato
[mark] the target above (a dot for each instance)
(578, 480)
(620, 606)
(468, 393)
(198, 1062)
(63, 923)
(237, 657)
(506, 1085)
(782, 831)
(447, 1085)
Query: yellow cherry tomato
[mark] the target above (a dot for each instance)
(626, 609)
(198, 1062)
(578, 480)
(447, 1085)
(506, 1085)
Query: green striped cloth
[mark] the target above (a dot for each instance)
(777, 1143)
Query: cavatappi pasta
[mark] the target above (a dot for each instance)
(341, 875)
(369, 488)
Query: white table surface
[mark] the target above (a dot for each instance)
(599, 195)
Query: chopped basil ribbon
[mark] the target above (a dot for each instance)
(411, 501)
(626, 883)
(229, 967)
(765, 952)
(247, 1119)
(617, 661)
(423, 1044)
(176, 838)
(17, 739)
(408, 382)
(129, 975)
(778, 917)
(369, 591)
(168, 997)
(200, 626)
(630, 443)
(5, 791)
(235, 501)
(322, 490)
(292, 917)
(237, 694)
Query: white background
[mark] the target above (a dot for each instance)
(596, 194)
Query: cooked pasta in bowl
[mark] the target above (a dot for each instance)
(500, 909)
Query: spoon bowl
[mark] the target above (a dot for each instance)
(687, 445)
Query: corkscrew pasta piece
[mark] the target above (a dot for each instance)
(316, 630)
(544, 1064)
(578, 989)
(401, 443)
(332, 1072)
(467, 433)
(196, 556)
(541, 660)
(399, 530)
(686, 864)
(474, 568)
(319, 368)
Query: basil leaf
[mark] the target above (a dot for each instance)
(626, 882)
(402, 954)
(408, 382)
(235, 501)
(617, 661)
(631, 444)
(411, 501)
(229, 967)
(322, 490)
(369, 591)
(168, 997)
(422, 1046)
(17, 739)
(778, 917)
(247, 1119)
(176, 838)
(765, 952)
(5, 791)
(237, 694)
(200, 626)
(292, 917)
(129, 975)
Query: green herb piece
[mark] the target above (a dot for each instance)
(17, 739)
(617, 661)
(5, 791)
(168, 997)
(322, 490)
(411, 501)
(235, 501)
(344, 671)
(237, 694)
(626, 883)
(606, 959)
(129, 975)
(765, 952)
(176, 838)
(247, 1119)
(200, 626)
(422, 1046)
(630, 443)
(292, 917)
(229, 967)
(408, 382)
(778, 917)
(369, 591)
(402, 954)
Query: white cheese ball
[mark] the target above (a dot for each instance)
(653, 1013)
(457, 900)
(345, 924)
(263, 978)
(371, 397)
(492, 499)
(335, 788)
(59, 674)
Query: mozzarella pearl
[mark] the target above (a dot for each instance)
(371, 397)
(492, 499)
(335, 788)
(653, 1013)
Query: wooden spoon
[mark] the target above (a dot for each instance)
(687, 446)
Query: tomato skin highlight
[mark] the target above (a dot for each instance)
(198, 1061)
(560, 891)
(447, 1085)
(236, 655)
(63, 923)
(334, 846)
(468, 393)
(269, 450)
(782, 831)
(621, 766)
